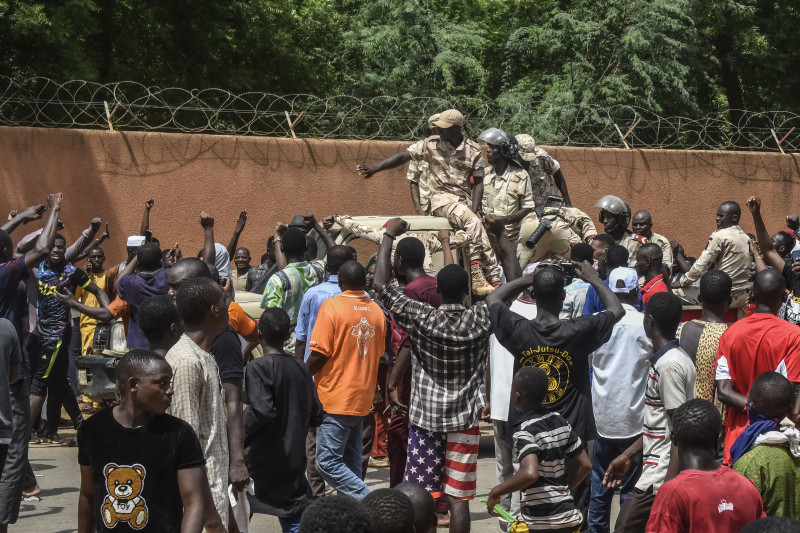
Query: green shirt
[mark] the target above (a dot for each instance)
(776, 474)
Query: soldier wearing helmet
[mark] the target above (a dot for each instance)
(507, 194)
(615, 215)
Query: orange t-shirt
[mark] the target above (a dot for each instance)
(239, 320)
(351, 332)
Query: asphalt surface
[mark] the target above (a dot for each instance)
(58, 474)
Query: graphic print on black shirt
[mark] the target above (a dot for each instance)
(562, 350)
(53, 316)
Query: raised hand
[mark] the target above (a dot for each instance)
(309, 220)
(54, 200)
(241, 221)
(206, 220)
(754, 205)
(396, 227)
(95, 223)
(149, 204)
(327, 222)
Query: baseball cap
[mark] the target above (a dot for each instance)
(134, 241)
(623, 279)
(449, 118)
(432, 119)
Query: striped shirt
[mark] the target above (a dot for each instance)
(548, 504)
(670, 383)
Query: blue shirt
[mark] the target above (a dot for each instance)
(309, 308)
(594, 305)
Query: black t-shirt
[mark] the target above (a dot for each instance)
(227, 352)
(562, 350)
(135, 471)
(790, 311)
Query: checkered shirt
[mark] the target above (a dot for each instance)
(449, 347)
(198, 400)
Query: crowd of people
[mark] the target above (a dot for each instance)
(606, 362)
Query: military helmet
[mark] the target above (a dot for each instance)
(616, 206)
(497, 137)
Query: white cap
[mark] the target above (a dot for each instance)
(623, 279)
(134, 241)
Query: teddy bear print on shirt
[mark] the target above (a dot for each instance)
(124, 502)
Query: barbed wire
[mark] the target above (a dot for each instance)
(132, 106)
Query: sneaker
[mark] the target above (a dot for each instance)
(379, 462)
(55, 438)
(480, 287)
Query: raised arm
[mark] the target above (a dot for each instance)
(32, 213)
(45, 241)
(771, 257)
(84, 240)
(237, 232)
(148, 205)
(209, 252)
(390, 162)
(280, 257)
(383, 270)
(311, 223)
(561, 183)
(90, 243)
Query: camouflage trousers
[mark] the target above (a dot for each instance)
(480, 250)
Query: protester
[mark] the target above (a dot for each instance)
(197, 386)
(577, 289)
(700, 337)
(543, 441)
(772, 524)
(161, 323)
(282, 405)
(649, 265)
(615, 257)
(642, 224)
(601, 243)
(10, 479)
(768, 452)
(670, 384)
(448, 351)
(758, 343)
(103, 279)
(141, 467)
(727, 250)
(347, 342)
(560, 347)
(390, 511)
(336, 514)
(790, 311)
(422, 504)
(704, 496)
(241, 259)
(142, 278)
(619, 377)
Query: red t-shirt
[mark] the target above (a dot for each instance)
(751, 346)
(652, 287)
(422, 289)
(697, 501)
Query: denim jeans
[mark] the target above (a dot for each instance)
(339, 446)
(605, 451)
(290, 524)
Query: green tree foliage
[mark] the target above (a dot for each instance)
(559, 59)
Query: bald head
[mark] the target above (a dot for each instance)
(186, 269)
(769, 287)
(642, 223)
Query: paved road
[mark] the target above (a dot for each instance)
(57, 470)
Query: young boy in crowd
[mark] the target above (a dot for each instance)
(543, 441)
(282, 404)
(705, 496)
(768, 452)
(141, 468)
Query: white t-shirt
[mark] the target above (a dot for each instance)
(619, 378)
(502, 364)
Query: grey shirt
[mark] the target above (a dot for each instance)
(9, 356)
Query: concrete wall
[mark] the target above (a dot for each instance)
(111, 174)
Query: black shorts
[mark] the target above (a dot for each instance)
(49, 360)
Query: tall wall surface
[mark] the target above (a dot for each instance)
(111, 174)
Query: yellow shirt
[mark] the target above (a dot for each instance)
(88, 324)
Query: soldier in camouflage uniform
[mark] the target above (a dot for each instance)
(507, 192)
(615, 216)
(545, 172)
(643, 225)
(570, 227)
(456, 172)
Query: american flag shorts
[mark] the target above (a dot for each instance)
(444, 462)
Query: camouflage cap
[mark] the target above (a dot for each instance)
(450, 118)
(432, 120)
(527, 146)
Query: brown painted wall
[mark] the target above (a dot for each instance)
(111, 174)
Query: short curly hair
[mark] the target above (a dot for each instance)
(336, 514)
(696, 424)
(390, 510)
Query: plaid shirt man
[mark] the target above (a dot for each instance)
(449, 346)
(198, 401)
